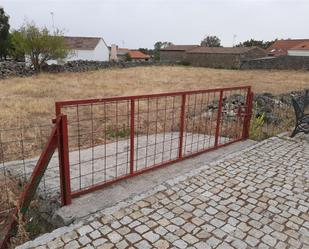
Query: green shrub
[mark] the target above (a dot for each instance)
(256, 128)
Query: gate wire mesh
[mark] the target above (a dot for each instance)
(20, 149)
(111, 139)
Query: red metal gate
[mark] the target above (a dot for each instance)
(110, 139)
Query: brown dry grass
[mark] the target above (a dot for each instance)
(31, 100)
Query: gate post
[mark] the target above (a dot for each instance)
(219, 118)
(132, 134)
(248, 114)
(182, 125)
(64, 164)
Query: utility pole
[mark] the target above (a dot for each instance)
(234, 39)
(53, 23)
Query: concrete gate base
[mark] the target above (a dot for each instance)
(86, 205)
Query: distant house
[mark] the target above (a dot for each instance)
(222, 57)
(175, 53)
(85, 48)
(82, 48)
(137, 55)
(281, 47)
(124, 54)
(302, 49)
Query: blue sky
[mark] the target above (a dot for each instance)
(140, 23)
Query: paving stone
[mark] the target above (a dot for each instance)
(56, 243)
(134, 224)
(178, 221)
(84, 230)
(269, 240)
(171, 237)
(162, 244)
(161, 230)
(228, 228)
(141, 229)
(190, 239)
(99, 242)
(114, 237)
(84, 240)
(180, 244)
(133, 237)
(95, 234)
(202, 245)
(224, 245)
(87, 247)
(105, 229)
(122, 244)
(123, 230)
(251, 241)
(211, 211)
(151, 236)
(96, 224)
(213, 242)
(69, 236)
(143, 245)
(106, 246)
(72, 245)
(239, 244)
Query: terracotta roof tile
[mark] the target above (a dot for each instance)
(134, 54)
(281, 47)
(301, 46)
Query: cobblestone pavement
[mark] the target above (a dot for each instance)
(258, 198)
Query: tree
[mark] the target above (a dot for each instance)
(39, 45)
(157, 47)
(4, 34)
(211, 41)
(256, 43)
(146, 51)
(16, 49)
(128, 57)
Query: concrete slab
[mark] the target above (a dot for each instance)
(86, 205)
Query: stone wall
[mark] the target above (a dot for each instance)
(229, 61)
(222, 60)
(172, 56)
(282, 62)
(83, 66)
(18, 69)
(12, 68)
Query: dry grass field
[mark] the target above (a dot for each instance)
(31, 100)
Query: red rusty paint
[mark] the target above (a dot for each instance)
(64, 164)
(133, 138)
(247, 114)
(60, 104)
(182, 124)
(38, 171)
(219, 118)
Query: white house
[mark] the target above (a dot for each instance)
(87, 48)
(82, 48)
(302, 49)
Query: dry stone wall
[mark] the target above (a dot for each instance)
(19, 69)
(13, 69)
(282, 62)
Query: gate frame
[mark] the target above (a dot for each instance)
(67, 195)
